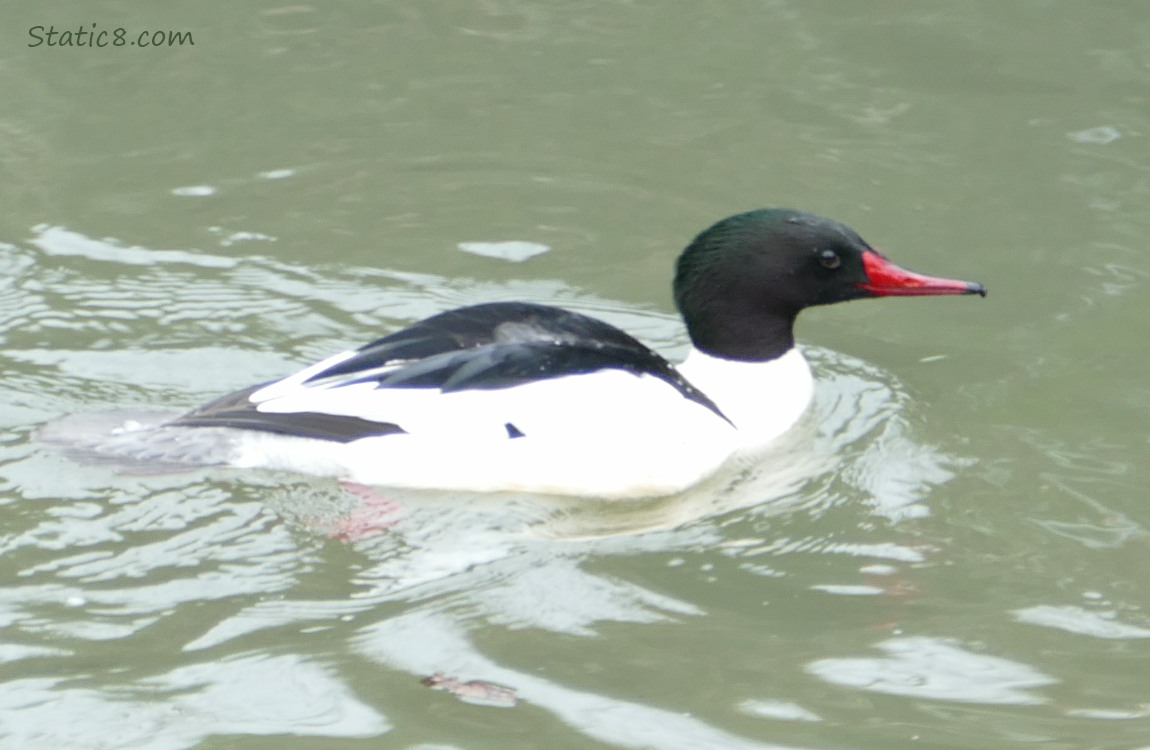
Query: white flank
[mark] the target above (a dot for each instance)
(608, 434)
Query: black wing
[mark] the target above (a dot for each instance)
(504, 344)
(481, 325)
(237, 410)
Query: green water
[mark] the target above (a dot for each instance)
(951, 551)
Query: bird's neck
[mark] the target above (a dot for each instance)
(744, 336)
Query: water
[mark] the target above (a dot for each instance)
(949, 551)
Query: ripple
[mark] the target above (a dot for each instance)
(194, 191)
(422, 644)
(1100, 136)
(181, 708)
(938, 669)
(59, 241)
(786, 710)
(1099, 624)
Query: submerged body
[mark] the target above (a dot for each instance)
(525, 397)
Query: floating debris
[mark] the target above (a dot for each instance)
(479, 692)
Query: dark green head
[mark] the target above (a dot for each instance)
(740, 284)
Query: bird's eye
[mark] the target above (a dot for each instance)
(829, 258)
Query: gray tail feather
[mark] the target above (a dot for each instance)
(138, 442)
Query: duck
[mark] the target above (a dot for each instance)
(527, 397)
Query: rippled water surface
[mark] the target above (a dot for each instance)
(949, 551)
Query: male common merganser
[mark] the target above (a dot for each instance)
(526, 397)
